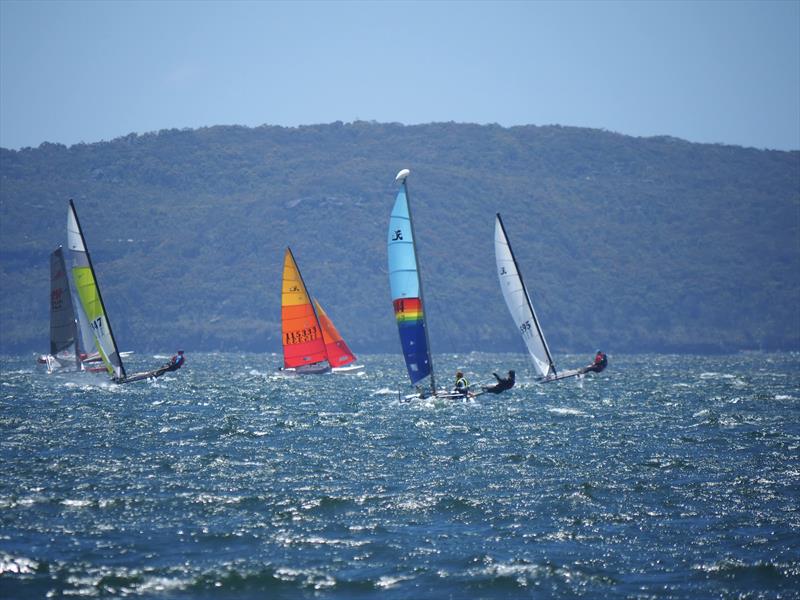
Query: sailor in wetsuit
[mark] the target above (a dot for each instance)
(600, 363)
(503, 383)
(176, 362)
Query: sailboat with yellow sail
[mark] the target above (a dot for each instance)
(311, 343)
(91, 301)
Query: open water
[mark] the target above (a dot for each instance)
(663, 477)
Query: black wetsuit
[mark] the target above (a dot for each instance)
(502, 384)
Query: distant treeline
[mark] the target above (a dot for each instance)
(628, 244)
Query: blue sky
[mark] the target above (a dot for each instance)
(715, 72)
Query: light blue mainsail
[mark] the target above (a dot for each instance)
(403, 275)
(406, 289)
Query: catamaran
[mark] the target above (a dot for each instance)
(311, 343)
(407, 298)
(91, 301)
(520, 306)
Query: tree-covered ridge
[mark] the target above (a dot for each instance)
(628, 244)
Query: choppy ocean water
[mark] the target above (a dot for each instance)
(664, 477)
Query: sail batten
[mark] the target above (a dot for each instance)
(406, 289)
(519, 303)
(90, 298)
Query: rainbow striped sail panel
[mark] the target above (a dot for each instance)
(404, 281)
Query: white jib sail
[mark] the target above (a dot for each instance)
(519, 304)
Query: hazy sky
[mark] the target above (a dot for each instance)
(726, 72)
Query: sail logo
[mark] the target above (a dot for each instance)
(398, 235)
(503, 271)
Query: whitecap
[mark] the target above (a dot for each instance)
(573, 412)
(386, 582)
(385, 392)
(76, 503)
(17, 564)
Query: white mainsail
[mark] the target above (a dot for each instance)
(519, 303)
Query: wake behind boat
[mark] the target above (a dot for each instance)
(520, 306)
(91, 301)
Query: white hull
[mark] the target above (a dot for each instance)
(317, 369)
(440, 395)
(348, 369)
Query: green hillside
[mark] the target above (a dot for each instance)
(629, 244)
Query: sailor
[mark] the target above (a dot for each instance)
(462, 385)
(503, 383)
(176, 362)
(600, 363)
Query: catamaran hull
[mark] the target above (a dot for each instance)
(144, 375)
(572, 373)
(348, 369)
(307, 370)
(562, 375)
(440, 395)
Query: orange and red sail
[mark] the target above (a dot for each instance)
(339, 354)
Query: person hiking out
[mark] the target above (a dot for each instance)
(503, 383)
(176, 362)
(600, 363)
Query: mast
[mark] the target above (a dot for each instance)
(527, 297)
(404, 177)
(97, 286)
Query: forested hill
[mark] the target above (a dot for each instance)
(628, 244)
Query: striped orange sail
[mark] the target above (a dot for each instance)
(302, 335)
(339, 354)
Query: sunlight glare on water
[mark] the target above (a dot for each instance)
(665, 476)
